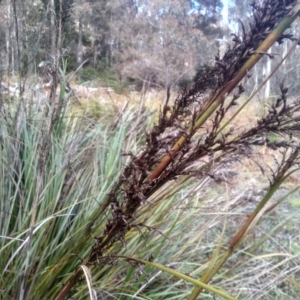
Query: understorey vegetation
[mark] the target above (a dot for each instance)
(114, 207)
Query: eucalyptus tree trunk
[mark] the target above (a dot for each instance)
(267, 72)
(52, 29)
(225, 13)
(9, 38)
(95, 53)
(285, 50)
(79, 45)
(60, 32)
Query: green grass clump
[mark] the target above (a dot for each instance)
(55, 174)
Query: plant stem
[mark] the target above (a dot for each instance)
(220, 96)
(208, 275)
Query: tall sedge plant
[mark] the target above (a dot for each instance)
(219, 96)
(178, 141)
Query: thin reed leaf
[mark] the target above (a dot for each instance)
(181, 276)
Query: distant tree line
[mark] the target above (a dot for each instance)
(148, 43)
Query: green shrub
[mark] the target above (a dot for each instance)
(106, 76)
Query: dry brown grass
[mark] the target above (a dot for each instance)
(249, 169)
